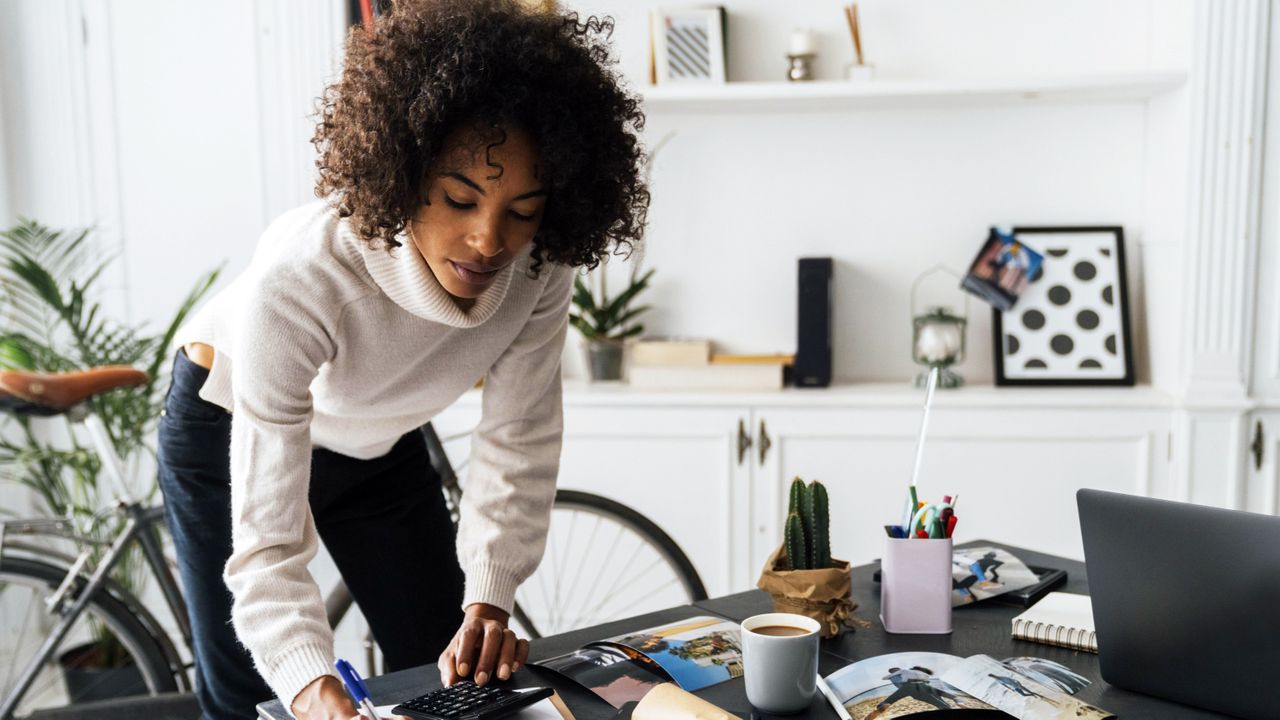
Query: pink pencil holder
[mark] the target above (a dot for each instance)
(915, 586)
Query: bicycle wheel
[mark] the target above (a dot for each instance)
(603, 561)
(25, 585)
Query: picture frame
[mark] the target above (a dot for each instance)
(1071, 325)
(688, 46)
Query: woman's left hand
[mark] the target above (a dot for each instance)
(484, 645)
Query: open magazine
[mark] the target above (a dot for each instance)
(906, 684)
(694, 653)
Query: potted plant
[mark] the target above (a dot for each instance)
(801, 575)
(606, 323)
(50, 321)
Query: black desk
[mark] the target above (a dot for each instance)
(983, 628)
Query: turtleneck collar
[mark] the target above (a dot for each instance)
(406, 278)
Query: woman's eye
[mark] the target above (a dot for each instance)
(521, 217)
(455, 204)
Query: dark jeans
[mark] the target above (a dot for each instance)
(384, 522)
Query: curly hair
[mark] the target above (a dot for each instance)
(432, 66)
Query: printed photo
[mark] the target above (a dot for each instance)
(1002, 270)
(1016, 693)
(1048, 672)
(696, 653)
(608, 672)
(983, 572)
(899, 685)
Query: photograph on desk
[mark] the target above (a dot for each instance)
(906, 684)
(979, 573)
(1016, 693)
(617, 677)
(695, 653)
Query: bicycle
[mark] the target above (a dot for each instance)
(70, 593)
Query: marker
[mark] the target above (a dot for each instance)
(355, 686)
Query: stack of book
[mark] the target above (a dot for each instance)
(689, 364)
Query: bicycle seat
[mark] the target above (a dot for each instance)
(33, 393)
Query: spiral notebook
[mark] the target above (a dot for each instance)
(1062, 619)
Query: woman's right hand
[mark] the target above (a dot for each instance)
(326, 699)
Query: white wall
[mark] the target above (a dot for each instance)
(209, 152)
(890, 193)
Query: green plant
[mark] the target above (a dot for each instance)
(807, 535)
(51, 321)
(600, 317)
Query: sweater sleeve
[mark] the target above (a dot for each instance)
(515, 455)
(277, 608)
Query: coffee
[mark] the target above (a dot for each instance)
(779, 630)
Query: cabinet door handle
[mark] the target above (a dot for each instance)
(1258, 446)
(744, 440)
(765, 442)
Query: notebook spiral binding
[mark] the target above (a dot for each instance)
(1060, 635)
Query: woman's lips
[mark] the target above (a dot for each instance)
(474, 274)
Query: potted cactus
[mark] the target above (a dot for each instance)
(801, 575)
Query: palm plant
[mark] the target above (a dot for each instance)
(50, 321)
(600, 317)
(606, 322)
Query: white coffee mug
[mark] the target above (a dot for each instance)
(781, 670)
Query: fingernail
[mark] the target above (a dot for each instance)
(463, 668)
(504, 672)
(482, 677)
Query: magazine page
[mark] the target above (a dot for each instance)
(899, 685)
(1018, 694)
(698, 652)
(982, 572)
(615, 675)
(1048, 672)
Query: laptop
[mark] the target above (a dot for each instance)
(1186, 601)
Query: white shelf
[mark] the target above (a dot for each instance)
(875, 94)
(865, 395)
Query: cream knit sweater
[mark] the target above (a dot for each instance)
(323, 341)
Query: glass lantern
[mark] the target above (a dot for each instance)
(938, 333)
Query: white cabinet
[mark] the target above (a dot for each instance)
(1263, 453)
(679, 467)
(713, 469)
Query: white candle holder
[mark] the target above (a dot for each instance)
(938, 333)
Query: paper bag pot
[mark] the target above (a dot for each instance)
(823, 595)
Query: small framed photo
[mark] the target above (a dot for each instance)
(1071, 323)
(1002, 269)
(688, 45)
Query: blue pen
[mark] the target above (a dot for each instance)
(356, 687)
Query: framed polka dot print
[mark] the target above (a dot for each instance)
(1071, 324)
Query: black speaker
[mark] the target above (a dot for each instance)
(813, 323)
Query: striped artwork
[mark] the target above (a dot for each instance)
(688, 52)
(688, 46)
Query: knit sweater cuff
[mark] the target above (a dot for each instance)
(291, 671)
(490, 584)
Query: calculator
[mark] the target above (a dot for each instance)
(464, 700)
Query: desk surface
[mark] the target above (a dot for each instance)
(982, 628)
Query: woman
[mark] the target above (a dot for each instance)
(471, 156)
